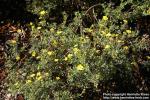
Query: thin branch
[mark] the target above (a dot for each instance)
(91, 8)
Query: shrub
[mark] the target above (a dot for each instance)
(57, 59)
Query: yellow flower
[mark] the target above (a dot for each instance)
(105, 18)
(57, 78)
(42, 12)
(39, 28)
(148, 11)
(32, 75)
(58, 32)
(115, 35)
(19, 31)
(75, 45)
(16, 84)
(46, 74)
(119, 41)
(134, 63)
(52, 29)
(33, 54)
(49, 53)
(80, 67)
(54, 42)
(69, 56)
(75, 50)
(65, 58)
(107, 46)
(108, 35)
(97, 51)
(126, 47)
(125, 21)
(87, 30)
(13, 41)
(44, 50)
(39, 78)
(28, 81)
(56, 60)
(86, 37)
(84, 40)
(38, 57)
(103, 32)
(148, 57)
(32, 27)
(129, 31)
(31, 23)
(17, 57)
(38, 74)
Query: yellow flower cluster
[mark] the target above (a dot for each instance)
(108, 34)
(38, 76)
(47, 51)
(69, 56)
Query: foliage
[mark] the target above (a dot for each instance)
(55, 58)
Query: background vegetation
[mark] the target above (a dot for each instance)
(75, 49)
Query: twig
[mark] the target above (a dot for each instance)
(91, 8)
